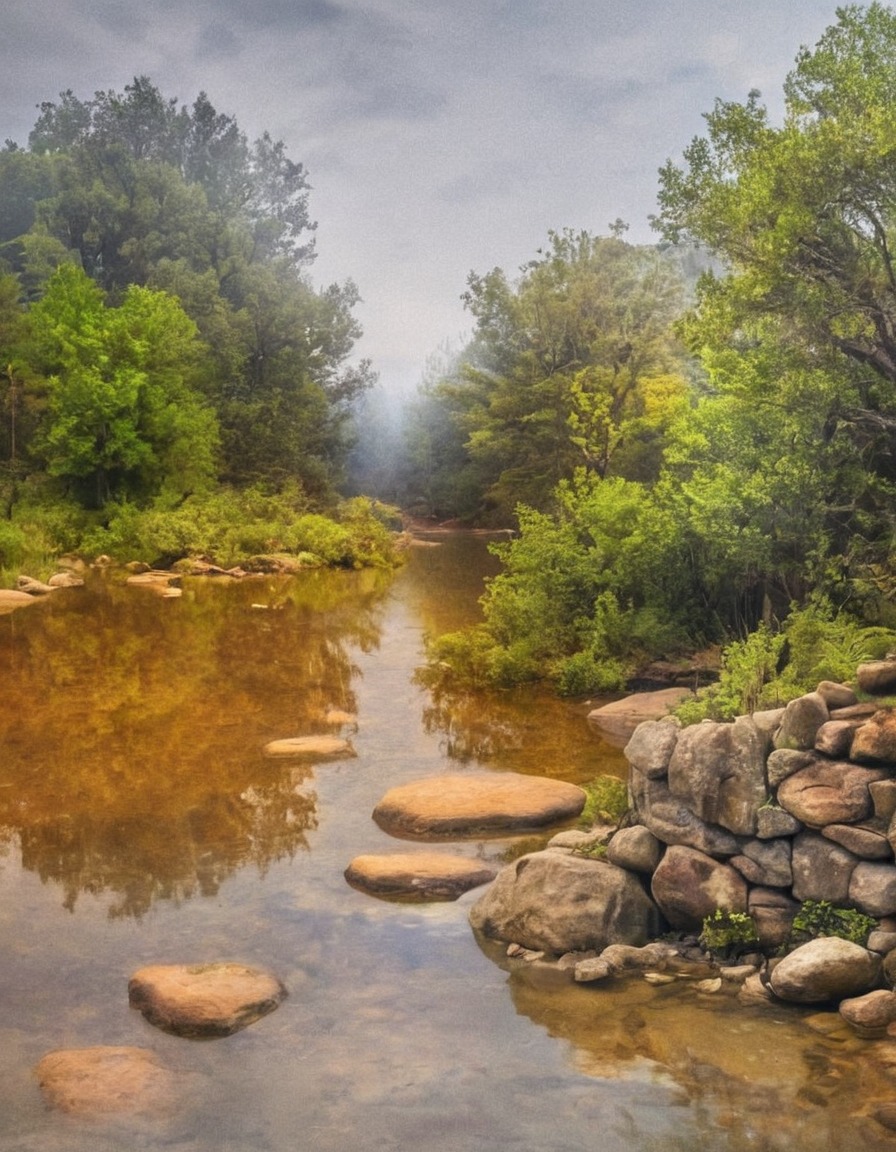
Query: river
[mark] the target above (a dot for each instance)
(140, 822)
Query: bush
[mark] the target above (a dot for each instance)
(727, 934)
(821, 918)
(606, 801)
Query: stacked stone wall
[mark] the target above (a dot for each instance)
(771, 810)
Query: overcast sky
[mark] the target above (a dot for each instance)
(440, 136)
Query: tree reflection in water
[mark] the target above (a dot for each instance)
(134, 727)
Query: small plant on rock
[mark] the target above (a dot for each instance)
(606, 803)
(727, 934)
(821, 918)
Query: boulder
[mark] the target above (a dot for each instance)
(870, 1014)
(821, 870)
(204, 1000)
(872, 888)
(672, 822)
(618, 721)
(772, 911)
(417, 875)
(874, 742)
(635, 848)
(475, 804)
(772, 821)
(628, 958)
(689, 885)
(559, 903)
(718, 771)
(883, 797)
(784, 762)
(825, 970)
(836, 695)
(829, 792)
(802, 719)
(33, 587)
(325, 747)
(652, 745)
(878, 677)
(834, 738)
(12, 598)
(765, 862)
(66, 579)
(98, 1081)
(868, 840)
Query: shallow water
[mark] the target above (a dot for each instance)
(140, 822)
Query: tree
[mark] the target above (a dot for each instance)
(123, 418)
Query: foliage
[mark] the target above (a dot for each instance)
(726, 934)
(821, 918)
(607, 801)
(769, 667)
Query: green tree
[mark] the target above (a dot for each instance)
(123, 418)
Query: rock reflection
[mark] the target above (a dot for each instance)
(133, 728)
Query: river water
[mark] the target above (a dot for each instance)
(140, 822)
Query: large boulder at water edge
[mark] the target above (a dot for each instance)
(618, 721)
(554, 902)
(476, 804)
(204, 999)
(689, 885)
(827, 969)
(417, 875)
(99, 1081)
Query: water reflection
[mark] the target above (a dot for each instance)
(133, 727)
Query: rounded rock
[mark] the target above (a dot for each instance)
(825, 970)
(417, 876)
(204, 1000)
(103, 1080)
(476, 804)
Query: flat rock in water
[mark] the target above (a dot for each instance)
(204, 1000)
(12, 598)
(469, 805)
(103, 1080)
(619, 720)
(417, 875)
(310, 746)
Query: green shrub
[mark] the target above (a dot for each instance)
(821, 918)
(606, 801)
(727, 934)
(584, 673)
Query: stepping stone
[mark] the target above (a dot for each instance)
(204, 999)
(417, 875)
(12, 598)
(310, 746)
(469, 805)
(92, 1081)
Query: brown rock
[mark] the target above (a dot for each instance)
(560, 903)
(834, 738)
(827, 969)
(877, 677)
(829, 792)
(66, 580)
(836, 695)
(822, 870)
(619, 720)
(12, 598)
(874, 742)
(417, 875)
(784, 762)
(635, 848)
(883, 797)
(688, 886)
(327, 747)
(772, 911)
(33, 587)
(475, 804)
(204, 999)
(652, 745)
(872, 888)
(671, 820)
(772, 822)
(97, 1081)
(867, 841)
(765, 862)
(801, 721)
(870, 1014)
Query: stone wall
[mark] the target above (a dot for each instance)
(773, 809)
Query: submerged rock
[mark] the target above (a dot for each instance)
(103, 1080)
(417, 875)
(329, 746)
(466, 805)
(204, 1000)
(560, 903)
